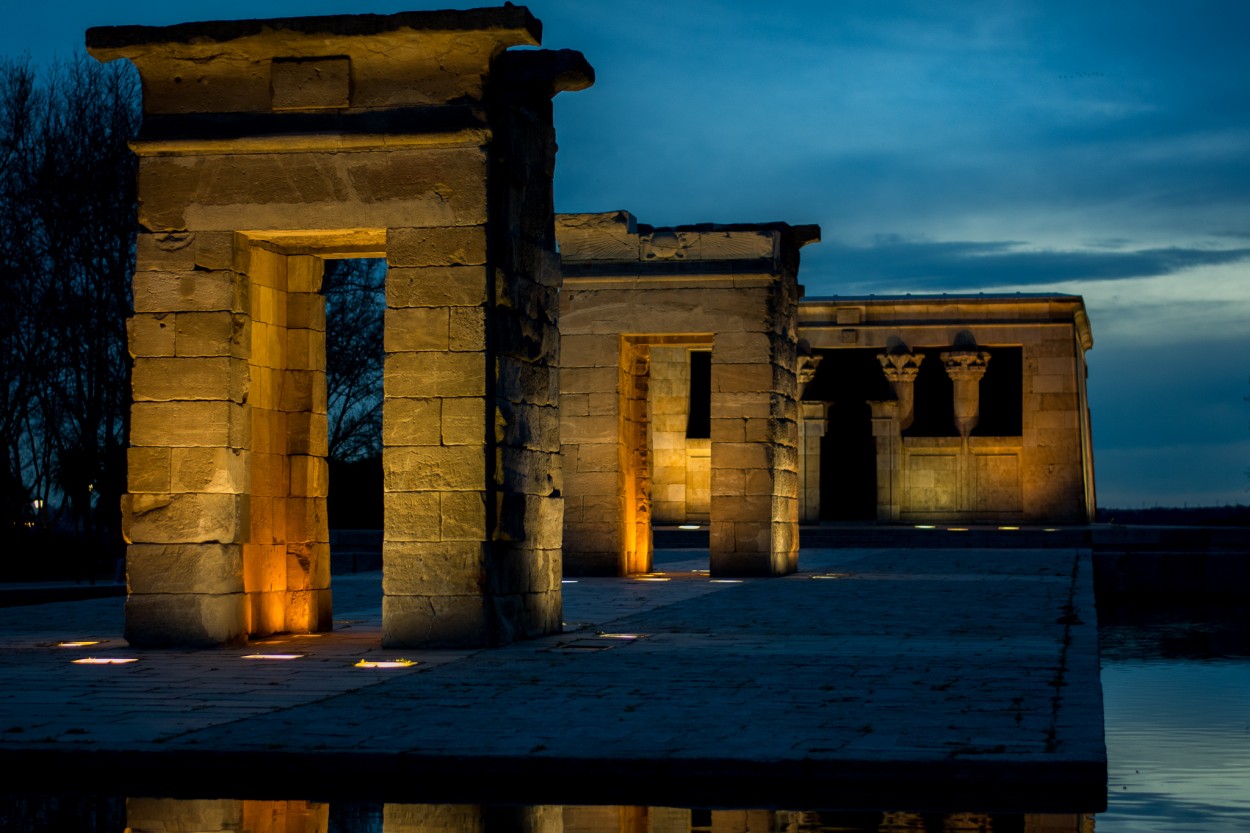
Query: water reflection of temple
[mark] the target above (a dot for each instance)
(212, 816)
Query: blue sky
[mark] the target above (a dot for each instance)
(980, 146)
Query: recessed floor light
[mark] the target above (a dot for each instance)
(81, 643)
(689, 526)
(385, 663)
(726, 581)
(272, 656)
(104, 661)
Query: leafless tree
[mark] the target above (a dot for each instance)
(355, 301)
(67, 231)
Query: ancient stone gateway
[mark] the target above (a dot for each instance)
(268, 147)
(709, 311)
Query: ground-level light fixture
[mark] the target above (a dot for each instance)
(273, 656)
(104, 660)
(385, 663)
(689, 526)
(79, 643)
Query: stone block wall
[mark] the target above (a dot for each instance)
(1042, 475)
(321, 138)
(631, 290)
(681, 483)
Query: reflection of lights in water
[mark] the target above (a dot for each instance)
(272, 656)
(307, 635)
(1050, 529)
(104, 660)
(925, 526)
(956, 529)
(81, 643)
(385, 663)
(1008, 528)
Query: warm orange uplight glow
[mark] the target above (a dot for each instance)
(385, 663)
(272, 656)
(104, 660)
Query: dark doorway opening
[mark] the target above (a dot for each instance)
(848, 380)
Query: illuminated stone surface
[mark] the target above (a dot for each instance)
(970, 470)
(633, 294)
(268, 147)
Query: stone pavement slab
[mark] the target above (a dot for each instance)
(888, 677)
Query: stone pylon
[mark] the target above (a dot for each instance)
(269, 146)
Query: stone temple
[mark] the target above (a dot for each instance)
(554, 384)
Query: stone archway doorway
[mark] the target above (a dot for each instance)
(268, 146)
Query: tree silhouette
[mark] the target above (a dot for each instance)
(67, 232)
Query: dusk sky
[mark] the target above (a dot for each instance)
(1101, 149)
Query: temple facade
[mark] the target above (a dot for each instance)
(699, 388)
(553, 386)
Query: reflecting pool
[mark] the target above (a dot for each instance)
(1176, 688)
(1176, 695)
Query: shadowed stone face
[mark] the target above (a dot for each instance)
(269, 146)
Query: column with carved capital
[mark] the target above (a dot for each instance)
(965, 368)
(813, 422)
(901, 369)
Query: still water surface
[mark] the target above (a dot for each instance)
(1176, 692)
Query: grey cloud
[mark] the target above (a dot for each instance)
(904, 266)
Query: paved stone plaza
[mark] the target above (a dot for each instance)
(920, 677)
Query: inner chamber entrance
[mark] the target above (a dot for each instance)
(310, 313)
